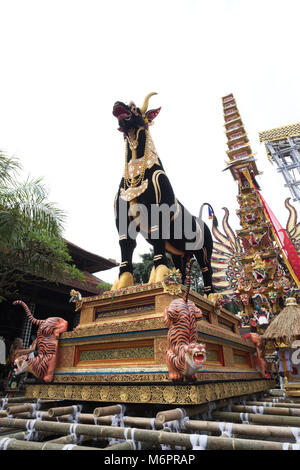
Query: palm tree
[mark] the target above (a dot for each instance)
(30, 229)
(24, 206)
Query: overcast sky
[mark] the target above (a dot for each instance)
(65, 62)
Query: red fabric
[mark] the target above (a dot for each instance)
(285, 242)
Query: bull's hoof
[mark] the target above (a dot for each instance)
(125, 280)
(213, 298)
(159, 273)
(152, 276)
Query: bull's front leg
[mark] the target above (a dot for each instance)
(161, 209)
(160, 269)
(127, 242)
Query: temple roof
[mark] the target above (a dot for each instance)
(87, 261)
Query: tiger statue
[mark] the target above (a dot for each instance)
(259, 357)
(42, 365)
(185, 356)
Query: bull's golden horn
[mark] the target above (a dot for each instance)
(146, 102)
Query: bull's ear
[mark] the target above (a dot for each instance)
(152, 113)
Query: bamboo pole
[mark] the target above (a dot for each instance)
(266, 410)
(178, 414)
(26, 407)
(15, 444)
(68, 439)
(153, 437)
(107, 410)
(273, 405)
(256, 431)
(62, 410)
(129, 445)
(15, 435)
(4, 431)
(220, 443)
(34, 414)
(285, 399)
(255, 418)
(15, 400)
(249, 430)
(274, 399)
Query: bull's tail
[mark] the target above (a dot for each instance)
(188, 279)
(27, 311)
(211, 214)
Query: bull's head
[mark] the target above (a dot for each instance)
(131, 117)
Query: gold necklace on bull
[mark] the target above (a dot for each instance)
(133, 144)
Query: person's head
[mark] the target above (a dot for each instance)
(18, 343)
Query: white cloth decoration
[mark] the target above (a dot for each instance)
(136, 445)
(68, 446)
(258, 409)
(198, 442)
(152, 423)
(228, 430)
(32, 434)
(295, 432)
(72, 429)
(244, 418)
(4, 442)
(3, 403)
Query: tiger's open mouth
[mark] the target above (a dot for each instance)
(199, 357)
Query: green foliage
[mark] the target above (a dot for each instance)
(104, 286)
(30, 232)
(142, 270)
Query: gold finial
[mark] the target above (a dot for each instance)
(290, 301)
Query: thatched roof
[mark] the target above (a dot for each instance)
(285, 328)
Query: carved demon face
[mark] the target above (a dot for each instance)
(260, 275)
(273, 295)
(250, 218)
(245, 299)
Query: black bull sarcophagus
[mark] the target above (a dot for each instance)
(146, 204)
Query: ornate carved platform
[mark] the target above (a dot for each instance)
(117, 353)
